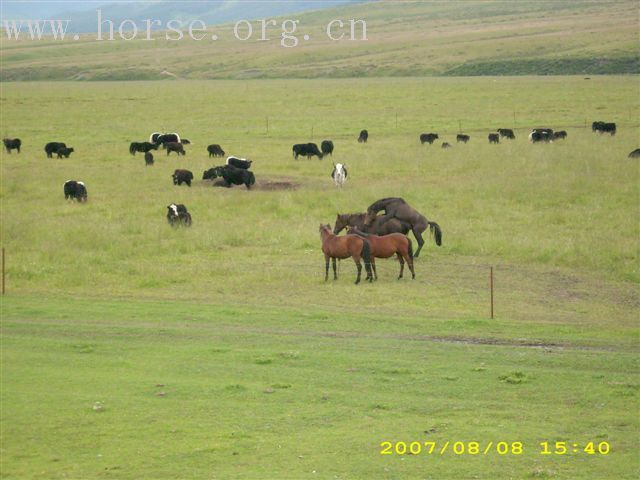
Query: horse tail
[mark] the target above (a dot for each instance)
(366, 251)
(410, 248)
(437, 232)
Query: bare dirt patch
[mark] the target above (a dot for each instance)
(268, 184)
(276, 185)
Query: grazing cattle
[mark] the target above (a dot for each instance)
(148, 158)
(559, 135)
(153, 138)
(231, 176)
(307, 149)
(428, 138)
(164, 138)
(364, 136)
(446, 145)
(541, 135)
(327, 147)
(462, 138)
(178, 215)
(64, 152)
(142, 147)
(635, 153)
(506, 133)
(184, 141)
(182, 176)
(215, 150)
(52, 147)
(12, 144)
(75, 190)
(175, 147)
(494, 138)
(339, 174)
(239, 162)
(604, 127)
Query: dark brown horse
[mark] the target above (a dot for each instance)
(344, 247)
(398, 208)
(381, 225)
(386, 246)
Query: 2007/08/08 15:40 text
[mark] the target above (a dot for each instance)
(243, 30)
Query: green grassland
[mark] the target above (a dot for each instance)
(458, 38)
(266, 371)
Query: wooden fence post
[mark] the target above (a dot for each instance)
(491, 288)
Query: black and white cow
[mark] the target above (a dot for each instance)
(177, 215)
(175, 147)
(462, 138)
(494, 138)
(164, 138)
(327, 147)
(52, 147)
(181, 176)
(541, 135)
(75, 190)
(148, 158)
(231, 175)
(239, 162)
(428, 138)
(142, 147)
(215, 150)
(339, 174)
(307, 149)
(65, 152)
(507, 133)
(12, 144)
(364, 136)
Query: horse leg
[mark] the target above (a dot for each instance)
(373, 268)
(359, 265)
(401, 260)
(410, 263)
(326, 271)
(370, 268)
(417, 232)
(335, 275)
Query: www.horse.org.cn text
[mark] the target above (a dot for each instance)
(285, 32)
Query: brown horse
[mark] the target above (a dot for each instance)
(398, 208)
(381, 225)
(386, 246)
(344, 247)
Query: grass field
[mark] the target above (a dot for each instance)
(219, 351)
(404, 38)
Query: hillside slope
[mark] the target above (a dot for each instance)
(404, 39)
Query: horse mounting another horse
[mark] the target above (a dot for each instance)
(344, 247)
(397, 208)
(386, 246)
(382, 224)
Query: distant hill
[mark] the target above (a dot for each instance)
(404, 39)
(83, 18)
